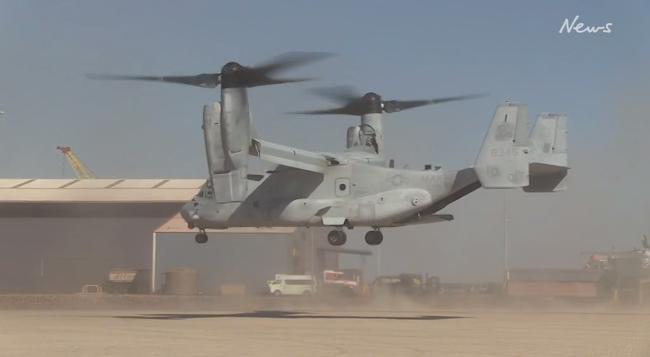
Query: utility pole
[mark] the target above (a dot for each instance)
(378, 261)
(506, 262)
(312, 253)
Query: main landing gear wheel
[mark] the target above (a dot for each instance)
(336, 237)
(201, 237)
(374, 237)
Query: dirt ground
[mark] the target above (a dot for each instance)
(324, 332)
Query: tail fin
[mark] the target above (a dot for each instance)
(549, 140)
(548, 154)
(503, 159)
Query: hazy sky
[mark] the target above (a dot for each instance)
(402, 50)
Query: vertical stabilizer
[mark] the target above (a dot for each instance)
(549, 140)
(503, 159)
(548, 154)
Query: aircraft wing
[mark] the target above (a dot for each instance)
(292, 157)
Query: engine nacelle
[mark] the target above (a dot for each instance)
(354, 137)
(235, 126)
(364, 138)
(227, 159)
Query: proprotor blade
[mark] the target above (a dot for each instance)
(290, 60)
(341, 94)
(234, 75)
(391, 106)
(342, 111)
(352, 103)
(204, 80)
(355, 104)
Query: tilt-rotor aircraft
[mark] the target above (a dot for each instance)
(356, 187)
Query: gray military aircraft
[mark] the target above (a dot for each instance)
(354, 188)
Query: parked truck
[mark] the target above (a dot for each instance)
(290, 284)
(341, 282)
(406, 284)
(127, 281)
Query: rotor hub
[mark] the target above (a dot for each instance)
(230, 68)
(371, 103)
(230, 74)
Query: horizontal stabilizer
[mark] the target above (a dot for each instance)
(547, 178)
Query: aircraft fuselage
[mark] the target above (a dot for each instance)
(355, 194)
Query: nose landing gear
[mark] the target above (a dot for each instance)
(336, 237)
(374, 237)
(201, 237)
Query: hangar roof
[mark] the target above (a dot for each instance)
(98, 190)
(109, 198)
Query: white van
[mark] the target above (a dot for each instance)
(286, 284)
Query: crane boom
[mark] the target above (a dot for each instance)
(78, 167)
